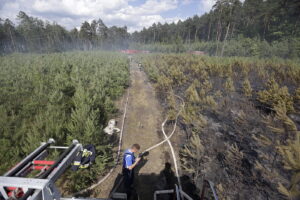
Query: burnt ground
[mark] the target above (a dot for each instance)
(142, 126)
(236, 123)
(236, 157)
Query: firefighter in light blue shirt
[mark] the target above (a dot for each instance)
(129, 162)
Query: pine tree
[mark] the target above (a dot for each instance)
(297, 96)
(290, 153)
(291, 156)
(192, 94)
(229, 85)
(274, 95)
(191, 156)
(234, 155)
(206, 86)
(172, 112)
(247, 89)
(218, 94)
(209, 101)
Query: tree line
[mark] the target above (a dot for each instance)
(34, 35)
(264, 19)
(270, 22)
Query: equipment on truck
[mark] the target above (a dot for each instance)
(84, 158)
(15, 184)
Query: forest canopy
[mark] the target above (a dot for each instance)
(262, 28)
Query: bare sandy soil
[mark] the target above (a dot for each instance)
(142, 126)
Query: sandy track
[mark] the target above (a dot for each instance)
(142, 126)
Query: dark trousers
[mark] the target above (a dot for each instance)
(128, 180)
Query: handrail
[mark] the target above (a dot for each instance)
(212, 188)
(162, 192)
(185, 195)
(180, 194)
(177, 192)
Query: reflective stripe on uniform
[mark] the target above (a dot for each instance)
(127, 164)
(76, 163)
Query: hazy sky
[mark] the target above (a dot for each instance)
(135, 14)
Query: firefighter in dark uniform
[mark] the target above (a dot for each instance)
(129, 162)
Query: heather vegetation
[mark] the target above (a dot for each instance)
(241, 121)
(62, 96)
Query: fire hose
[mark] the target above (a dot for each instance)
(167, 139)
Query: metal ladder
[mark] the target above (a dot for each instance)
(43, 187)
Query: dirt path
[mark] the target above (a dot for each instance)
(142, 126)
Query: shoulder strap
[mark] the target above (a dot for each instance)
(128, 154)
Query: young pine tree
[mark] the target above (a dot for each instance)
(274, 95)
(229, 85)
(247, 89)
(290, 153)
(191, 156)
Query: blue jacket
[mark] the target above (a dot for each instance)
(128, 158)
